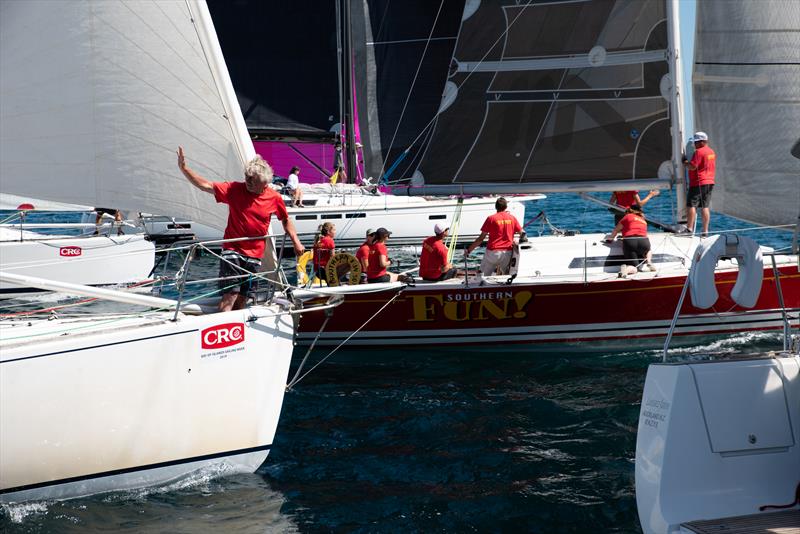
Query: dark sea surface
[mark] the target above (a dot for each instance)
(425, 440)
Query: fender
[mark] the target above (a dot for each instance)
(704, 261)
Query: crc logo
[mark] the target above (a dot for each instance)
(222, 335)
(70, 252)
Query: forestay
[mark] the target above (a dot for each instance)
(747, 97)
(95, 97)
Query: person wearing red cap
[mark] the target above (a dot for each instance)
(702, 174)
(500, 228)
(433, 264)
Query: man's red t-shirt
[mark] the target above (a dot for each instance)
(706, 162)
(501, 228)
(362, 255)
(323, 249)
(248, 215)
(625, 198)
(374, 270)
(633, 225)
(433, 258)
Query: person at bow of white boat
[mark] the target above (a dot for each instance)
(433, 264)
(250, 206)
(625, 199)
(293, 187)
(500, 229)
(702, 175)
(635, 243)
(324, 248)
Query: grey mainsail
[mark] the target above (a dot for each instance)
(747, 98)
(546, 91)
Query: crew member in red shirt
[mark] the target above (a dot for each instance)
(378, 260)
(433, 264)
(702, 172)
(323, 248)
(250, 206)
(625, 199)
(635, 243)
(500, 228)
(362, 254)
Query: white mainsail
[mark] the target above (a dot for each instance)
(93, 113)
(747, 97)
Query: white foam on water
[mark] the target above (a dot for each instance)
(19, 512)
(196, 479)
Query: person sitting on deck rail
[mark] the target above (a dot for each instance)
(500, 228)
(250, 206)
(293, 187)
(324, 248)
(635, 243)
(362, 254)
(433, 264)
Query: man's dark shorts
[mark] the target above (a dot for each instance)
(235, 264)
(444, 276)
(380, 279)
(699, 196)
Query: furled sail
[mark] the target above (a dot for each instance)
(95, 96)
(546, 91)
(747, 98)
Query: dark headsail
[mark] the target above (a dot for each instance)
(282, 59)
(553, 91)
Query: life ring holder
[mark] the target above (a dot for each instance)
(747, 288)
(343, 259)
(302, 270)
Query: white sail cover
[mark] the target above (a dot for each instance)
(96, 96)
(747, 98)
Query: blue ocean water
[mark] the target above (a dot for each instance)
(429, 440)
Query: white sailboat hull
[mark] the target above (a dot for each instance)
(92, 261)
(410, 219)
(125, 403)
(717, 439)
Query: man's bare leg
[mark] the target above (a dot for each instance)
(690, 218)
(228, 301)
(706, 215)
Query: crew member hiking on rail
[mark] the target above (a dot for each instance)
(324, 248)
(702, 172)
(433, 264)
(250, 206)
(500, 228)
(379, 259)
(362, 254)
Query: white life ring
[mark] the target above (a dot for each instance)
(748, 281)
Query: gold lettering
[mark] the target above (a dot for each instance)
(521, 299)
(422, 309)
(494, 309)
(451, 310)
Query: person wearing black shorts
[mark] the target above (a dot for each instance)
(702, 174)
(234, 265)
(635, 243)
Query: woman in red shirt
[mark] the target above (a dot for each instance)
(323, 248)
(635, 244)
(378, 260)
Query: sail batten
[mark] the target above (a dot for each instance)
(93, 109)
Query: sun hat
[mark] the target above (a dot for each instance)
(700, 136)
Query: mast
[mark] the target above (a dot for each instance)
(676, 103)
(348, 102)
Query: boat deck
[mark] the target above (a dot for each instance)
(785, 522)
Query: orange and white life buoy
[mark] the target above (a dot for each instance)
(748, 281)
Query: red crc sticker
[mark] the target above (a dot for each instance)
(70, 252)
(222, 335)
